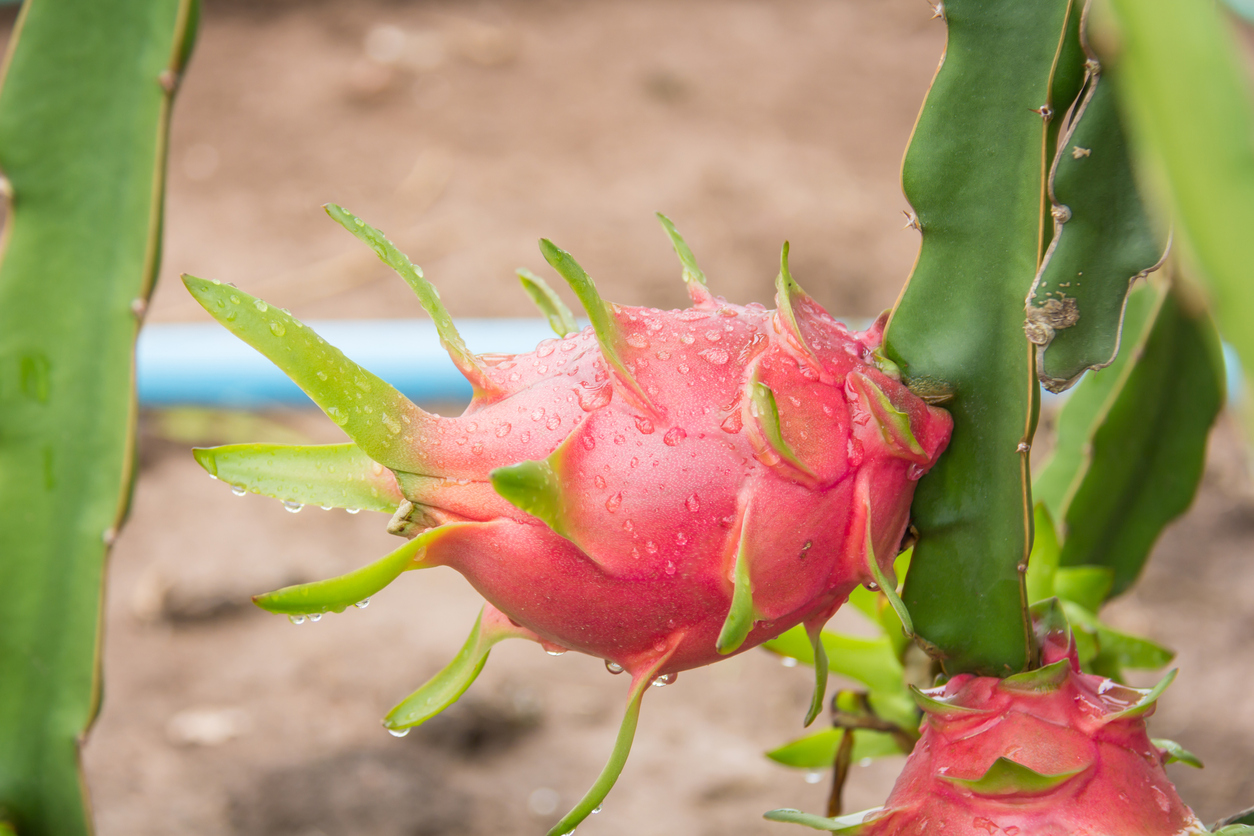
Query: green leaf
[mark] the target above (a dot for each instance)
(1132, 439)
(1103, 240)
(378, 418)
(561, 320)
(818, 750)
(694, 279)
(848, 825)
(869, 661)
(973, 175)
(1195, 148)
(330, 475)
(534, 487)
(1040, 680)
(609, 334)
(763, 407)
(339, 593)
(1177, 753)
(1005, 777)
(84, 113)
(741, 614)
(1043, 561)
(471, 367)
(618, 757)
(1087, 586)
(1147, 701)
(447, 686)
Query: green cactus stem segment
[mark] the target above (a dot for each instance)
(893, 423)
(330, 475)
(561, 320)
(847, 825)
(815, 632)
(1049, 678)
(379, 419)
(640, 682)
(467, 363)
(1147, 701)
(609, 335)
(887, 586)
(763, 407)
(340, 593)
(694, 279)
(447, 686)
(788, 297)
(741, 615)
(1005, 777)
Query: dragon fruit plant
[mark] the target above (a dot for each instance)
(659, 490)
(663, 489)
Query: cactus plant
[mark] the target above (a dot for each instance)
(84, 108)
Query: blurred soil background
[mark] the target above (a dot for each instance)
(467, 130)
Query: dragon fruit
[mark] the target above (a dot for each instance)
(1049, 752)
(659, 490)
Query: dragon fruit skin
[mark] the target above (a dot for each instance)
(659, 490)
(1053, 752)
(655, 504)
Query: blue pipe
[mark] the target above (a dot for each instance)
(203, 364)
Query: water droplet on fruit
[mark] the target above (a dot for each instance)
(681, 539)
(915, 472)
(337, 416)
(353, 510)
(717, 356)
(537, 413)
(693, 503)
(670, 567)
(589, 442)
(683, 368)
(593, 399)
(525, 437)
(555, 651)
(620, 439)
(315, 616)
(398, 732)
(260, 305)
(873, 586)
(673, 436)
(665, 679)
(644, 425)
(687, 339)
(854, 451)
(713, 335)
(613, 667)
(597, 810)
(598, 480)
(813, 777)
(663, 355)
(503, 430)
(277, 329)
(545, 348)
(732, 423)
(322, 375)
(628, 525)
(234, 299)
(637, 341)
(612, 504)
(554, 422)
(477, 448)
(569, 345)
(362, 604)
(788, 661)
(296, 619)
(650, 547)
(292, 507)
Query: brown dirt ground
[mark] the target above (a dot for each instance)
(467, 130)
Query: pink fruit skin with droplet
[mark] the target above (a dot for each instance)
(1118, 786)
(659, 494)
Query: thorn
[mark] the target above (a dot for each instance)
(912, 221)
(938, 11)
(169, 80)
(1077, 152)
(1024, 447)
(1061, 213)
(139, 306)
(1044, 111)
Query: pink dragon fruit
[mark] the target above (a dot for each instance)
(1050, 752)
(659, 490)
